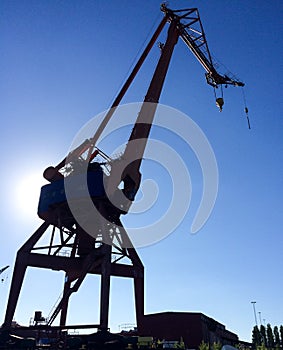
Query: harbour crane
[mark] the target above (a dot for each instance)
(102, 250)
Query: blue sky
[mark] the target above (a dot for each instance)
(62, 62)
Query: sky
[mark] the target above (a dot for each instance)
(62, 63)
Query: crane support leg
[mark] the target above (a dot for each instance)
(65, 303)
(138, 286)
(19, 273)
(17, 281)
(139, 296)
(105, 287)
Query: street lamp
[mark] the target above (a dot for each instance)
(259, 313)
(254, 302)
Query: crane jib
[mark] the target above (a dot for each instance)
(187, 25)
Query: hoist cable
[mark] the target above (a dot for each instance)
(137, 54)
(246, 108)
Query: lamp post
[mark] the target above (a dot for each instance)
(259, 313)
(254, 302)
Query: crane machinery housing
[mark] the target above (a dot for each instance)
(102, 250)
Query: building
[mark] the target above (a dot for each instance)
(192, 327)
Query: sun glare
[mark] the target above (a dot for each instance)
(28, 191)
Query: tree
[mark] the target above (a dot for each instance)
(256, 337)
(276, 337)
(203, 346)
(281, 334)
(263, 335)
(261, 347)
(270, 337)
(216, 346)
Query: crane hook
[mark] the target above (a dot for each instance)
(219, 100)
(220, 103)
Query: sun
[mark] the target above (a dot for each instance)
(28, 192)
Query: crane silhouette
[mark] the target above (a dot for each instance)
(106, 248)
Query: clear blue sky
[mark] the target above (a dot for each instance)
(62, 62)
